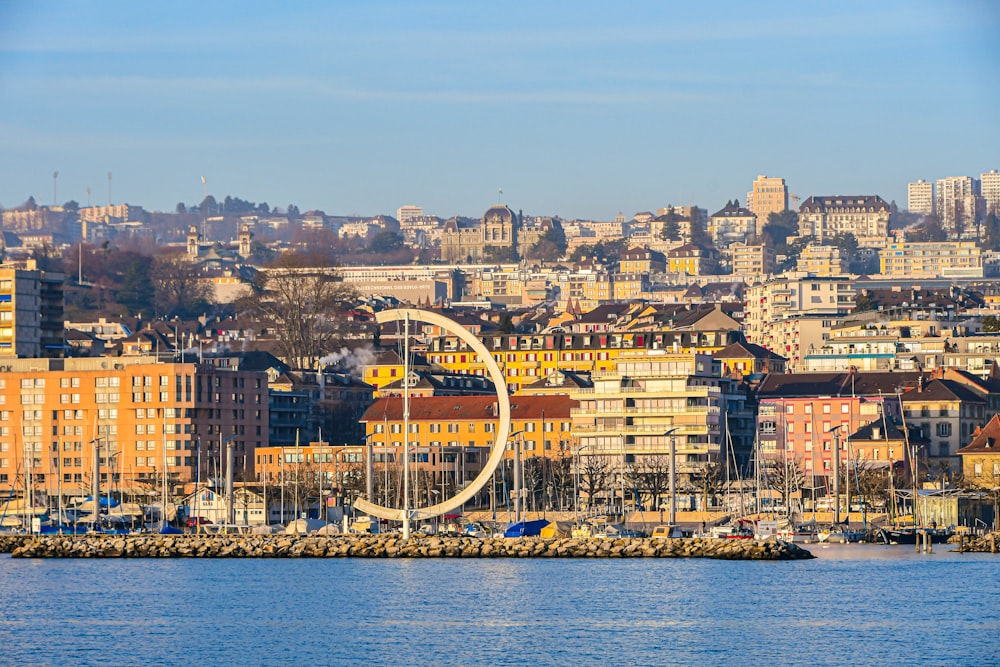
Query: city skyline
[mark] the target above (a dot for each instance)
(575, 109)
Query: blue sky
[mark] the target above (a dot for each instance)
(578, 109)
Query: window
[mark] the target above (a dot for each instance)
(978, 470)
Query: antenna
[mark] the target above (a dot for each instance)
(204, 213)
(55, 190)
(109, 188)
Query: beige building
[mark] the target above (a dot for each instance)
(945, 259)
(989, 184)
(752, 262)
(822, 260)
(409, 213)
(769, 195)
(866, 217)
(920, 197)
(790, 314)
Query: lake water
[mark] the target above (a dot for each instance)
(853, 605)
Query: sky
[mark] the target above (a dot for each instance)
(573, 108)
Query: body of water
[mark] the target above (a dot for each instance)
(853, 605)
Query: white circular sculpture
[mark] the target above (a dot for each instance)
(503, 431)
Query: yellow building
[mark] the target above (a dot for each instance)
(769, 195)
(752, 261)
(981, 457)
(822, 260)
(31, 312)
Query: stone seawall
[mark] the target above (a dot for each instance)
(390, 546)
(989, 543)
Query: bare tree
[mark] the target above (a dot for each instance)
(177, 288)
(595, 475)
(651, 476)
(304, 305)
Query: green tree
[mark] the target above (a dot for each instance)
(385, 241)
(177, 288)
(506, 324)
(991, 232)
(180, 209)
(136, 292)
(208, 205)
(779, 227)
(72, 206)
(930, 230)
(991, 324)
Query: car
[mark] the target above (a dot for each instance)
(198, 521)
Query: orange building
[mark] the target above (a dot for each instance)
(142, 415)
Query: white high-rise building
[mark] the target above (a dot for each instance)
(920, 197)
(408, 213)
(990, 188)
(955, 202)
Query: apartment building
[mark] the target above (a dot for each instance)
(752, 262)
(732, 223)
(31, 312)
(920, 197)
(138, 415)
(789, 314)
(939, 259)
(956, 199)
(822, 260)
(989, 185)
(769, 195)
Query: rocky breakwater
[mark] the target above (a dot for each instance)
(988, 543)
(393, 546)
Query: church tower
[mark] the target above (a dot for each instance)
(245, 236)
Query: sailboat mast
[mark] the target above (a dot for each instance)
(406, 426)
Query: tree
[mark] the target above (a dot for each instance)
(208, 205)
(991, 324)
(991, 232)
(177, 288)
(72, 206)
(181, 209)
(651, 477)
(930, 230)
(385, 241)
(137, 292)
(304, 305)
(595, 474)
(779, 227)
(551, 246)
(30, 204)
(506, 324)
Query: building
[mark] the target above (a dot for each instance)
(920, 197)
(642, 260)
(732, 223)
(939, 259)
(752, 263)
(981, 457)
(409, 213)
(948, 413)
(31, 312)
(989, 184)
(141, 416)
(769, 195)
(691, 260)
(791, 314)
(956, 203)
(866, 217)
(746, 360)
(494, 237)
(822, 260)
(629, 417)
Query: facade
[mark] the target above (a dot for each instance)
(920, 197)
(956, 203)
(31, 312)
(143, 416)
(409, 213)
(866, 217)
(943, 259)
(769, 195)
(642, 260)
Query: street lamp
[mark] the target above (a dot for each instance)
(673, 474)
(517, 473)
(230, 519)
(836, 476)
(369, 467)
(95, 482)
